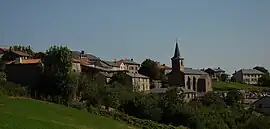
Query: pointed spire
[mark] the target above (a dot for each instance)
(176, 51)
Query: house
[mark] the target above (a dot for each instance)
(215, 73)
(104, 77)
(11, 55)
(188, 94)
(82, 54)
(187, 78)
(76, 65)
(114, 65)
(24, 71)
(2, 50)
(262, 105)
(165, 69)
(129, 65)
(139, 82)
(247, 76)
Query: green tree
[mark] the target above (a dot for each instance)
(3, 77)
(26, 49)
(57, 68)
(121, 78)
(212, 98)
(223, 77)
(234, 97)
(150, 69)
(264, 80)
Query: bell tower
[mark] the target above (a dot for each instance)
(177, 60)
(177, 75)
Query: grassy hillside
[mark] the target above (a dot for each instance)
(219, 85)
(32, 114)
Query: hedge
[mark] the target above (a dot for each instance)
(144, 124)
(12, 89)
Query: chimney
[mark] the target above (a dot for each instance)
(131, 59)
(81, 54)
(114, 60)
(218, 67)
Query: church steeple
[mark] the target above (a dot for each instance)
(176, 51)
(177, 60)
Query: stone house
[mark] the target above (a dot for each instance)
(76, 65)
(139, 82)
(114, 65)
(10, 55)
(215, 73)
(129, 65)
(104, 77)
(247, 76)
(24, 71)
(262, 105)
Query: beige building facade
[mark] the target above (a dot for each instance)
(139, 82)
(247, 76)
(130, 65)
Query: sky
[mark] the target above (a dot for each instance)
(231, 34)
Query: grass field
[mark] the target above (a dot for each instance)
(22, 113)
(219, 85)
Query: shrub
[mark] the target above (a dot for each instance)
(144, 124)
(12, 89)
(78, 105)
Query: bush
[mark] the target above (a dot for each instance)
(144, 124)
(12, 89)
(78, 105)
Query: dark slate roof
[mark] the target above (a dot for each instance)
(176, 51)
(77, 54)
(136, 75)
(111, 63)
(109, 75)
(250, 71)
(193, 71)
(128, 61)
(20, 53)
(218, 70)
(102, 68)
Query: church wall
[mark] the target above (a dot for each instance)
(192, 77)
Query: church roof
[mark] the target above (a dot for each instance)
(190, 71)
(194, 71)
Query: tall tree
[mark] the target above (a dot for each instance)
(150, 69)
(57, 67)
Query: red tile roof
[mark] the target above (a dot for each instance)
(75, 60)
(2, 50)
(164, 67)
(26, 61)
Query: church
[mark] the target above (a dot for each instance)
(188, 79)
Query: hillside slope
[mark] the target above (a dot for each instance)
(22, 113)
